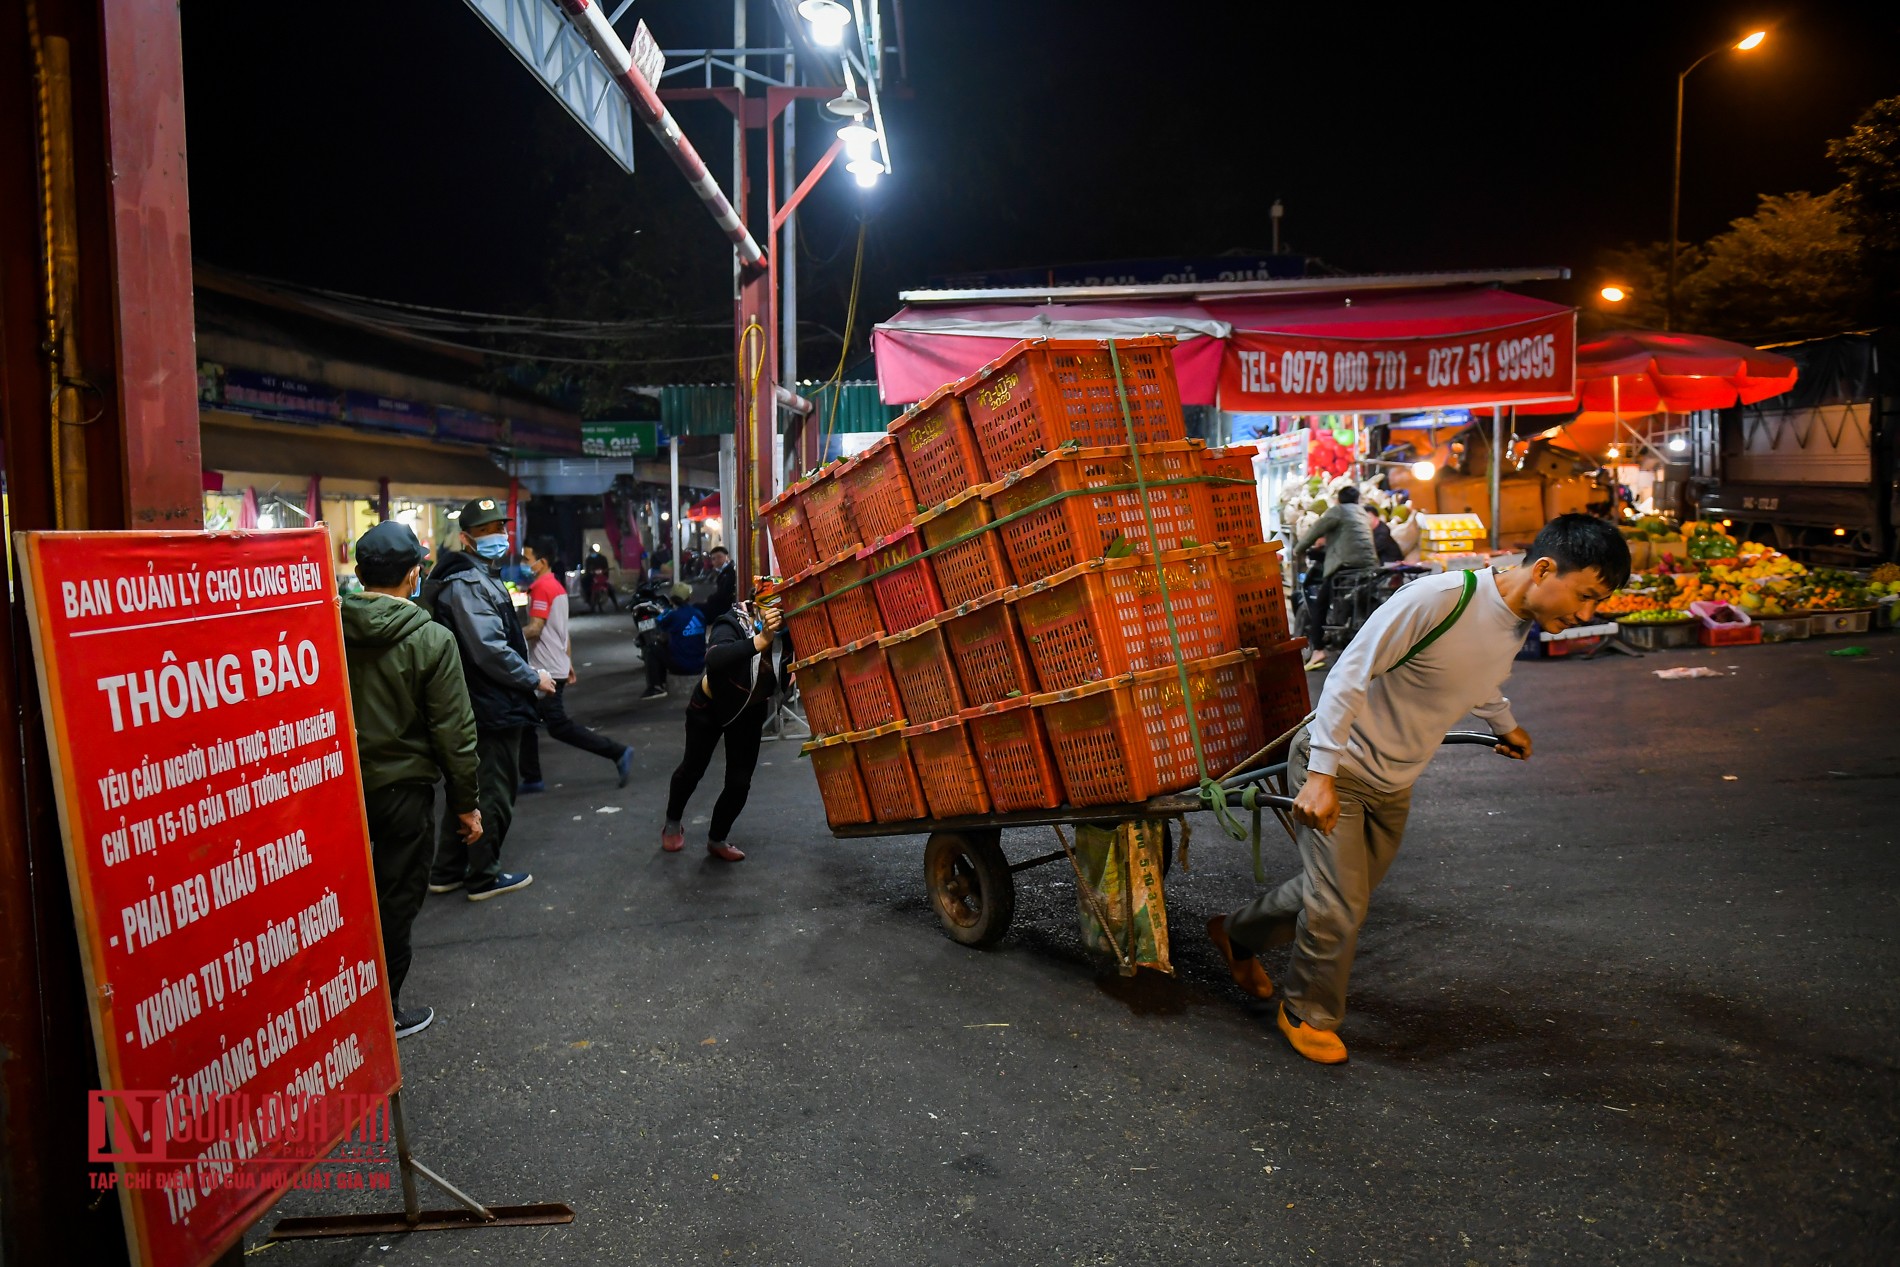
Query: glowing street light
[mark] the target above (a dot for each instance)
(867, 170)
(1748, 43)
(857, 139)
(1614, 294)
(1678, 444)
(1423, 469)
(828, 20)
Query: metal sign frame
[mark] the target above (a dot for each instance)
(538, 34)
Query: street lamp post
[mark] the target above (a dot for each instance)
(1745, 44)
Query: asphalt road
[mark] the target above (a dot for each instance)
(1633, 1002)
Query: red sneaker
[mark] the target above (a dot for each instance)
(673, 841)
(725, 852)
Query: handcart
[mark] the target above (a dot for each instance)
(972, 883)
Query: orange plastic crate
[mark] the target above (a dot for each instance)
(908, 596)
(823, 693)
(1012, 750)
(827, 513)
(939, 449)
(1235, 507)
(992, 662)
(1255, 580)
(784, 521)
(1285, 699)
(808, 625)
(1106, 617)
(852, 611)
(926, 680)
(878, 489)
(947, 768)
(975, 567)
(1045, 393)
(1084, 525)
(840, 783)
(889, 778)
(1126, 739)
(869, 692)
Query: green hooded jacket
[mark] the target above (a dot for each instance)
(413, 720)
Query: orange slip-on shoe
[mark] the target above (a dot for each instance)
(1320, 1046)
(1247, 972)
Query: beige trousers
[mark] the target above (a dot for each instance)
(1321, 909)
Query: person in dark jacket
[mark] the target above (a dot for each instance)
(731, 701)
(413, 727)
(464, 594)
(725, 584)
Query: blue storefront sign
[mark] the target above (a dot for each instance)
(1193, 270)
(274, 396)
(466, 426)
(389, 413)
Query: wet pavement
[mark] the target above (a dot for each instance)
(1632, 1002)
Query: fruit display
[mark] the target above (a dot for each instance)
(1707, 541)
(1656, 616)
(1761, 581)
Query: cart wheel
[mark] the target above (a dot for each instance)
(970, 885)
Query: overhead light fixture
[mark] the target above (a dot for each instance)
(857, 139)
(1615, 452)
(867, 170)
(1678, 444)
(828, 20)
(1614, 294)
(848, 104)
(1750, 41)
(1728, 523)
(1840, 532)
(1423, 469)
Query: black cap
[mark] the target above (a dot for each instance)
(483, 510)
(389, 545)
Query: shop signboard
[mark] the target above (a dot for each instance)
(275, 396)
(538, 437)
(1522, 363)
(198, 717)
(389, 413)
(466, 426)
(1168, 271)
(620, 439)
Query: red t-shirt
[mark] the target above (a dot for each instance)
(547, 601)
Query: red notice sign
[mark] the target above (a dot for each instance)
(198, 711)
(1520, 364)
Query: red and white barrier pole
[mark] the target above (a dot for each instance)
(606, 43)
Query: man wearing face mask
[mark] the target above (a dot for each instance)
(465, 594)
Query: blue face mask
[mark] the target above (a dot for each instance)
(492, 547)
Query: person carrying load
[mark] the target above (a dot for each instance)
(1439, 649)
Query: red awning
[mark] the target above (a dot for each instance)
(1295, 354)
(706, 507)
(1631, 373)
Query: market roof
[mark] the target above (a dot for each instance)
(1240, 290)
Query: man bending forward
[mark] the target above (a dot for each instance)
(1439, 649)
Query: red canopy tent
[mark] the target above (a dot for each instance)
(705, 508)
(1634, 373)
(1335, 345)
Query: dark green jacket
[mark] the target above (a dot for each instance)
(413, 721)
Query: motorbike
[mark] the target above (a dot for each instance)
(651, 601)
(599, 591)
(1356, 594)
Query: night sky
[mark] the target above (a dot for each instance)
(397, 150)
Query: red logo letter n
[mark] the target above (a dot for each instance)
(126, 1126)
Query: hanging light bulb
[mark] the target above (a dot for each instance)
(1423, 469)
(828, 20)
(1678, 444)
(857, 139)
(1615, 452)
(867, 170)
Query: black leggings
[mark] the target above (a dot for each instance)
(742, 757)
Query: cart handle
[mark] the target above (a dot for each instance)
(1473, 737)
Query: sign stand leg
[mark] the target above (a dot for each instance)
(413, 1217)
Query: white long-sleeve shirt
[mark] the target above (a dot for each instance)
(1384, 724)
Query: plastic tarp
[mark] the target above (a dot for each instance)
(924, 347)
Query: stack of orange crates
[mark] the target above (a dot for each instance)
(974, 596)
